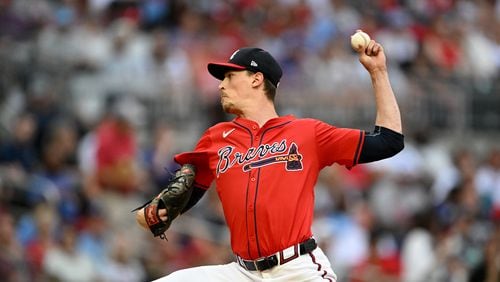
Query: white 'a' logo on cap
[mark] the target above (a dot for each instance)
(253, 64)
(232, 56)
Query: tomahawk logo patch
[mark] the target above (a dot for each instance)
(263, 155)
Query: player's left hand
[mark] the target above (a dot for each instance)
(160, 211)
(373, 57)
(162, 214)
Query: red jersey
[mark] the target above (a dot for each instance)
(265, 177)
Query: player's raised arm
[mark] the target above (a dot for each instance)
(373, 59)
(387, 138)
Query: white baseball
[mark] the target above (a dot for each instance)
(360, 40)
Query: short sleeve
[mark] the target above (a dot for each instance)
(338, 145)
(200, 158)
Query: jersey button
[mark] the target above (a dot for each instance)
(252, 179)
(254, 127)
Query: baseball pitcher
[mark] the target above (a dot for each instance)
(265, 167)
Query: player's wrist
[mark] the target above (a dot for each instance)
(139, 217)
(378, 71)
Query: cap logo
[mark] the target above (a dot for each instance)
(232, 56)
(253, 64)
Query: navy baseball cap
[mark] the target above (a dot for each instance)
(252, 59)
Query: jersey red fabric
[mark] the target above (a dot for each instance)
(265, 177)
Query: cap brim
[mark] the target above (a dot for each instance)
(218, 70)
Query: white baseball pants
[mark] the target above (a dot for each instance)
(314, 266)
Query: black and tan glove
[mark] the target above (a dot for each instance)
(173, 198)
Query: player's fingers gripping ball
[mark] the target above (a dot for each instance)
(173, 199)
(360, 40)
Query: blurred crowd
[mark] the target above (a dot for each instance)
(96, 96)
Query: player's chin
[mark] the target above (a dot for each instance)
(228, 108)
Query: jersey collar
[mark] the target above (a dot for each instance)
(270, 123)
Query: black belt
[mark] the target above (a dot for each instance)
(278, 258)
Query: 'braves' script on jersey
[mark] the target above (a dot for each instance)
(228, 157)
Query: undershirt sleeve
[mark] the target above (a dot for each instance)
(195, 197)
(382, 143)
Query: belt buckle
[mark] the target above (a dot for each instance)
(259, 264)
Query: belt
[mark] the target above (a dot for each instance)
(280, 257)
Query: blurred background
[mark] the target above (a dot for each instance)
(96, 96)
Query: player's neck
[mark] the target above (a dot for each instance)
(260, 114)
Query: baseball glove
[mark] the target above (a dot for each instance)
(173, 198)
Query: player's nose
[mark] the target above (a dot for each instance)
(221, 84)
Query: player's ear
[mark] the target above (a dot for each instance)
(258, 79)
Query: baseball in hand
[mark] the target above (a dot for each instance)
(360, 40)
